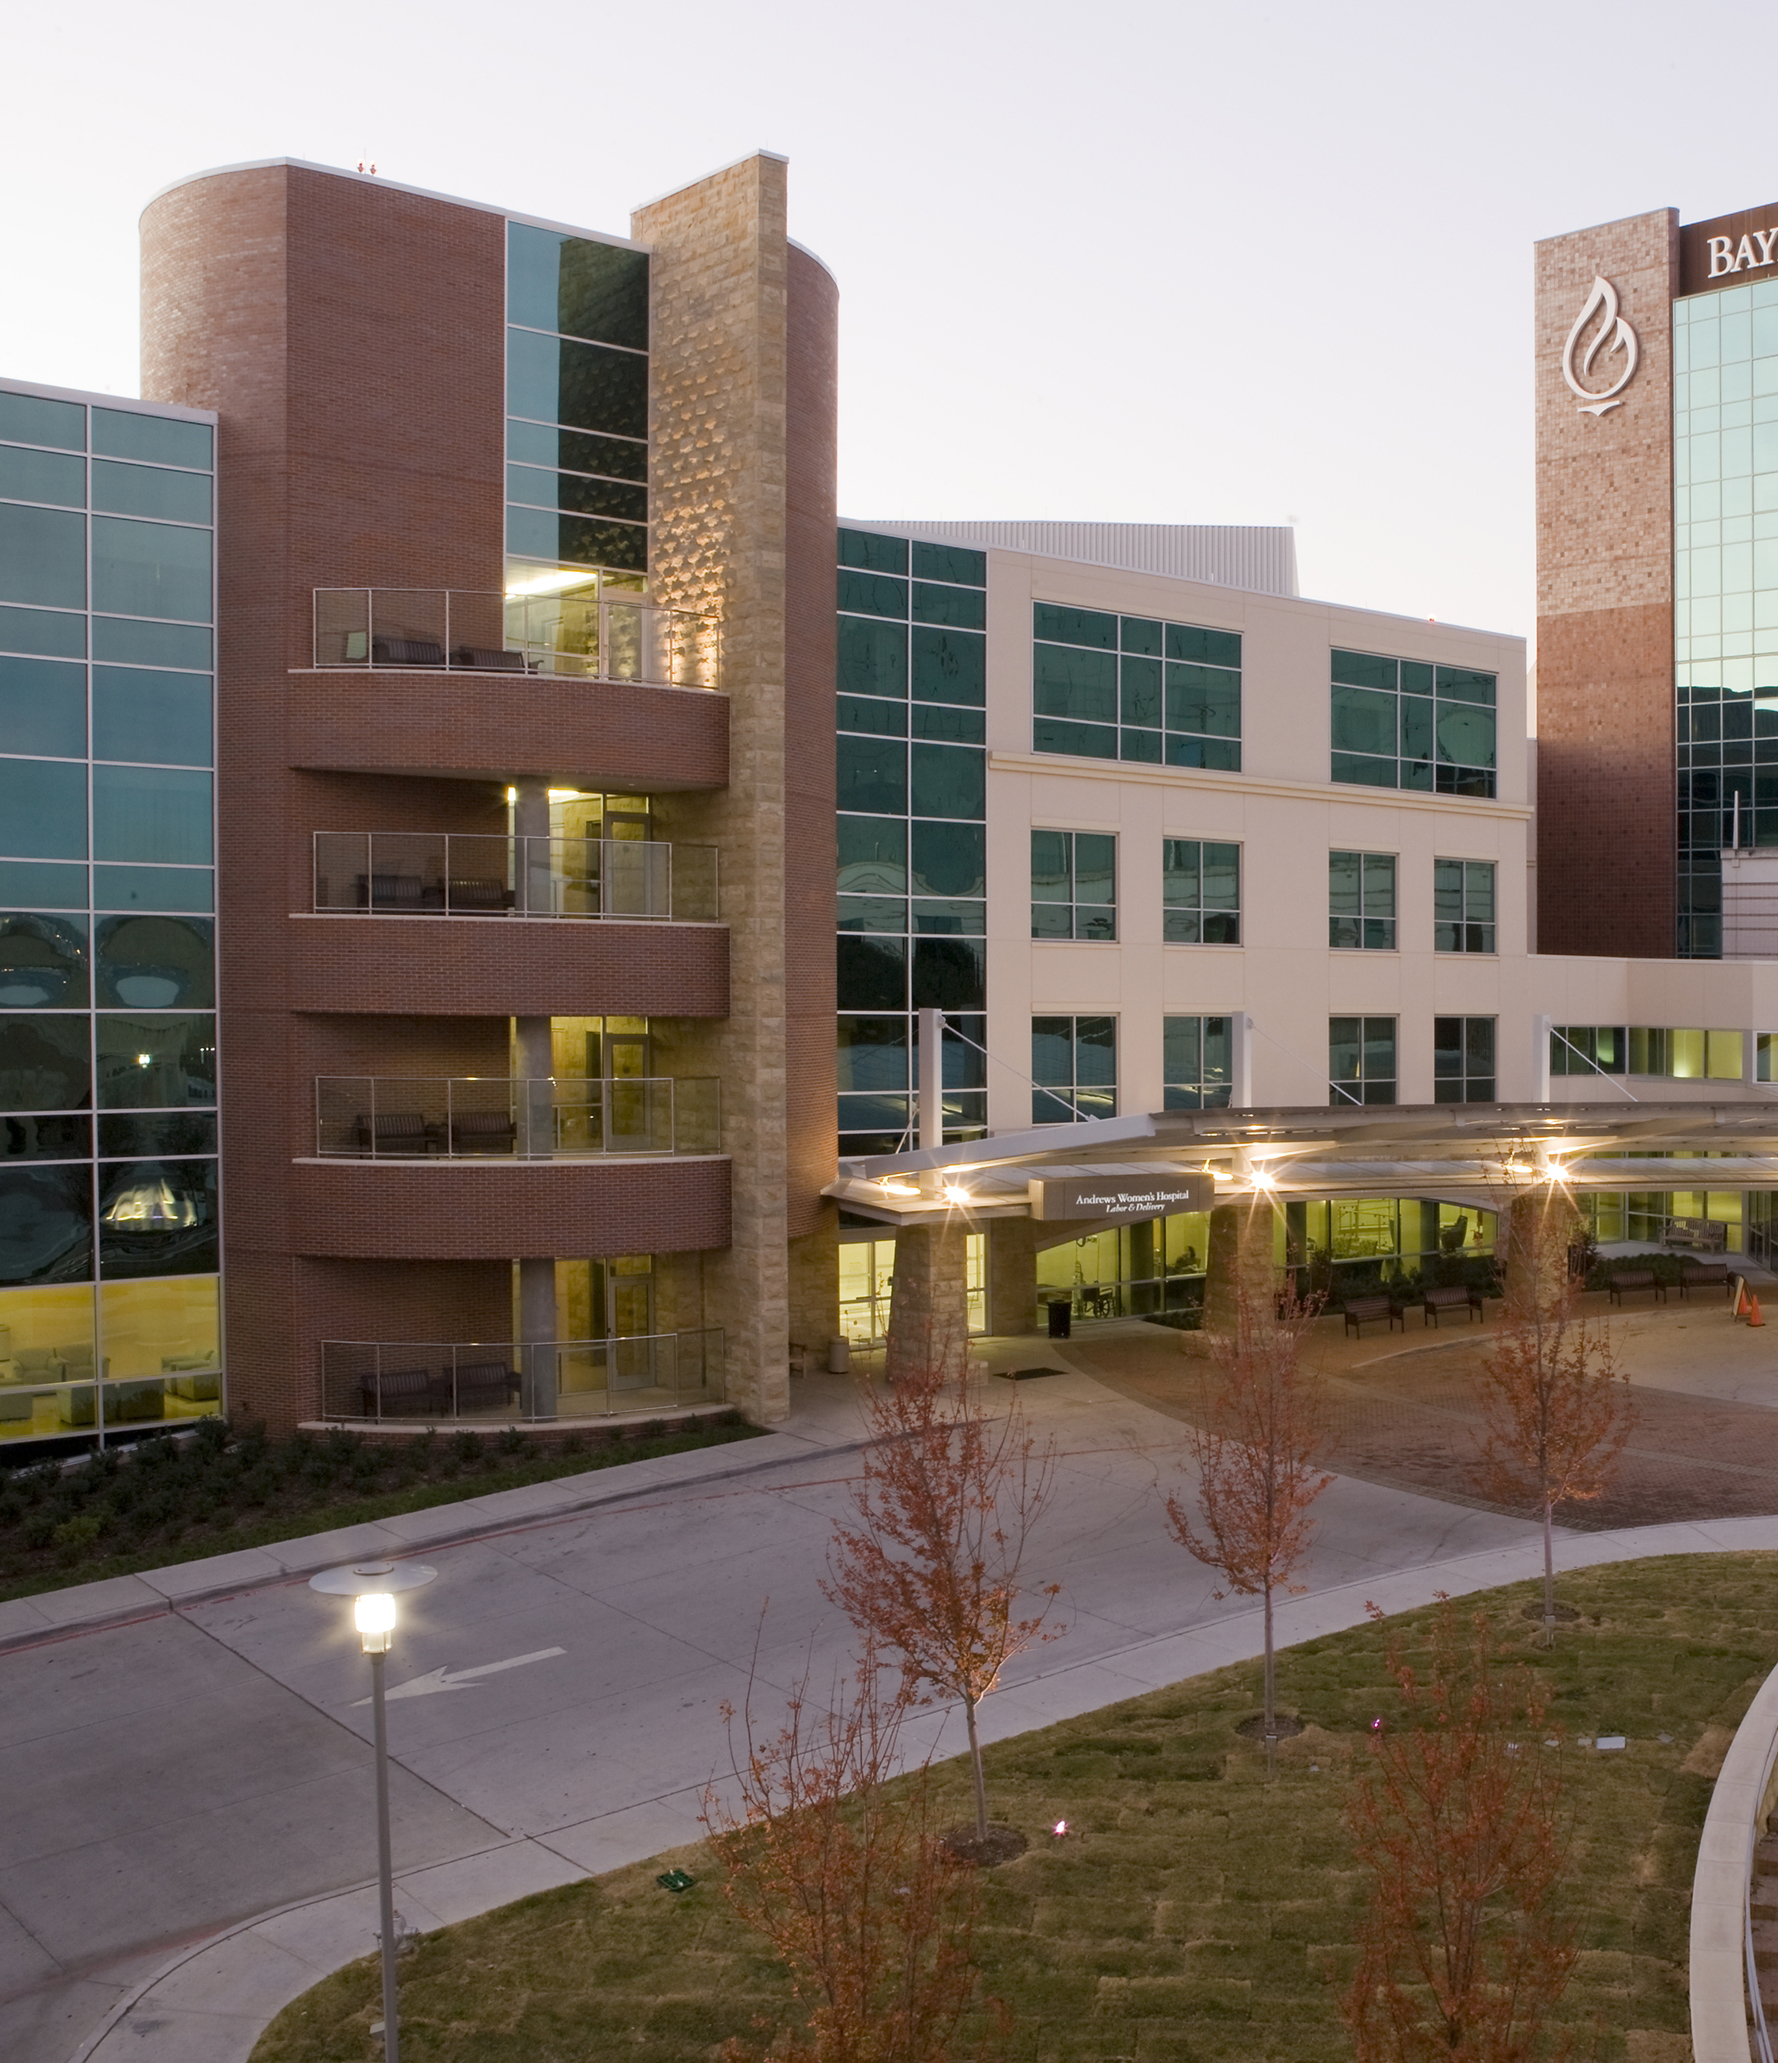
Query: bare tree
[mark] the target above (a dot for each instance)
(1255, 1445)
(835, 1864)
(1463, 1952)
(932, 1565)
(1557, 1409)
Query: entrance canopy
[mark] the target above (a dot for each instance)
(1116, 1169)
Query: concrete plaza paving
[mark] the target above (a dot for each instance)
(191, 1844)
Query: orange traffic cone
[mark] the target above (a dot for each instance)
(1740, 1310)
(1753, 1316)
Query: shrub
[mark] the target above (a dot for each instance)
(73, 1537)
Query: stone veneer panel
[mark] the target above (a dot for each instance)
(718, 474)
(1606, 824)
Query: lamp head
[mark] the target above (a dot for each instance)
(373, 1613)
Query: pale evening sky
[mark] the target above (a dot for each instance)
(1151, 263)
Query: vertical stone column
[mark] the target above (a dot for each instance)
(717, 468)
(1240, 1265)
(1012, 1276)
(1537, 1231)
(928, 1314)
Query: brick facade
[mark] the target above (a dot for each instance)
(1607, 816)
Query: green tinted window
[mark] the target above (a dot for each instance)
(151, 491)
(873, 594)
(1205, 700)
(953, 562)
(43, 809)
(577, 493)
(153, 888)
(1200, 892)
(576, 540)
(872, 775)
(1138, 634)
(122, 433)
(1363, 722)
(1057, 625)
(27, 419)
(950, 666)
(575, 451)
(1406, 723)
(584, 386)
(965, 606)
(1365, 670)
(948, 781)
(1361, 901)
(151, 813)
(950, 859)
(42, 556)
(42, 476)
(1077, 684)
(151, 644)
(873, 657)
(1188, 641)
(871, 552)
(873, 856)
(162, 717)
(873, 973)
(577, 286)
(50, 632)
(151, 569)
(42, 708)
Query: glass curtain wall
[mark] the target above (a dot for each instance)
(109, 1256)
(1725, 590)
(912, 831)
(867, 1282)
(576, 431)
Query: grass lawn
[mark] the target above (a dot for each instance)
(1201, 1913)
(168, 1501)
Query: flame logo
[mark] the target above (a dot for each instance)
(1613, 334)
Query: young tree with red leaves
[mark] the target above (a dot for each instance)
(1463, 1953)
(932, 1565)
(1557, 1409)
(837, 1866)
(1255, 1445)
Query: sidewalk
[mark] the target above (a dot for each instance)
(211, 2003)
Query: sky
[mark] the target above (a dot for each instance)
(1184, 263)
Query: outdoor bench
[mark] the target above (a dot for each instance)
(1359, 1311)
(1453, 1297)
(1705, 1275)
(1635, 1278)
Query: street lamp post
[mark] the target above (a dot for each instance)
(372, 1586)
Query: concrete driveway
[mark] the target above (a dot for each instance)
(182, 1775)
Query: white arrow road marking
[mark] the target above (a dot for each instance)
(457, 1679)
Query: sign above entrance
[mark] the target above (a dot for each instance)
(1113, 1199)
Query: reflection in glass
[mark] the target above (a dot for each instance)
(44, 1063)
(45, 1138)
(157, 1217)
(43, 963)
(46, 1224)
(156, 963)
(158, 1131)
(156, 1062)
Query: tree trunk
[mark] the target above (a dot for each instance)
(1549, 1576)
(1271, 1720)
(975, 1764)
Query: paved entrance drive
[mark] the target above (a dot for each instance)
(183, 1775)
(1403, 1412)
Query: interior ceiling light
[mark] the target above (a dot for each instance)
(549, 583)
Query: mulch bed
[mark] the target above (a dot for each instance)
(1002, 1845)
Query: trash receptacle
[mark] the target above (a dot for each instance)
(1061, 1312)
(839, 1357)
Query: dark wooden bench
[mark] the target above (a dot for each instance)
(1705, 1275)
(398, 1391)
(490, 659)
(483, 1386)
(406, 652)
(1359, 1311)
(1636, 1278)
(402, 1132)
(1452, 1297)
(482, 1131)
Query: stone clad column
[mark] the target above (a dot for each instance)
(928, 1312)
(1537, 1231)
(1240, 1263)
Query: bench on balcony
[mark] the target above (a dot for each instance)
(394, 1131)
(1635, 1278)
(1359, 1312)
(389, 651)
(395, 892)
(400, 1392)
(483, 1386)
(489, 659)
(471, 894)
(1452, 1297)
(483, 1131)
(1705, 1275)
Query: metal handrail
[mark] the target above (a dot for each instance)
(497, 1117)
(453, 630)
(429, 1382)
(486, 874)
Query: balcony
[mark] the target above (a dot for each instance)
(466, 874)
(461, 630)
(482, 1117)
(415, 1382)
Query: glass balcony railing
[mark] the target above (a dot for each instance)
(427, 1383)
(472, 874)
(465, 630)
(488, 1117)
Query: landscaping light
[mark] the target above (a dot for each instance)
(1060, 1830)
(374, 1616)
